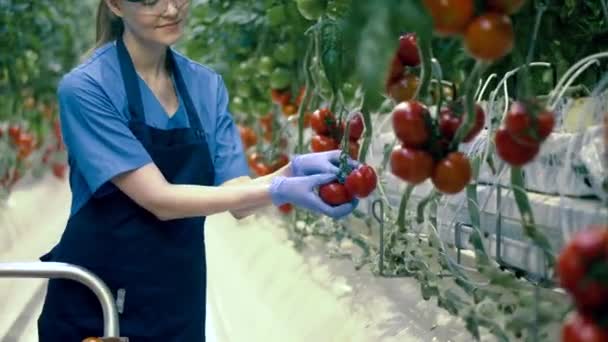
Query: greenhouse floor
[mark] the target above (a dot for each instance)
(260, 287)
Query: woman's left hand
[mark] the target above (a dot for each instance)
(316, 163)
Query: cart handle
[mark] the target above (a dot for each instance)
(52, 270)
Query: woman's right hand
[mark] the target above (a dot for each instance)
(300, 191)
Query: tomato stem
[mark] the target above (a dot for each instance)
(403, 207)
(306, 98)
(367, 136)
(434, 194)
(425, 50)
(469, 102)
(525, 210)
(527, 84)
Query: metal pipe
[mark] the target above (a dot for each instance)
(54, 270)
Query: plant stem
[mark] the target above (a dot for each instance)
(403, 207)
(367, 137)
(424, 48)
(469, 118)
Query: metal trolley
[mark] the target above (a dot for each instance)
(57, 270)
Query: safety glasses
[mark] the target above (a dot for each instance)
(157, 7)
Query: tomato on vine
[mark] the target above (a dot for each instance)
(583, 268)
(411, 165)
(248, 136)
(450, 17)
(408, 50)
(356, 127)
(286, 208)
(452, 173)
(361, 182)
(490, 37)
(526, 129)
(513, 152)
(353, 149)
(404, 88)
(289, 109)
(581, 328)
(334, 193)
(322, 143)
(410, 123)
(451, 118)
(280, 97)
(323, 121)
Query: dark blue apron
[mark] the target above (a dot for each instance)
(155, 269)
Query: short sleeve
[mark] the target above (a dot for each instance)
(98, 139)
(229, 158)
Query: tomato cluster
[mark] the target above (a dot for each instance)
(329, 132)
(583, 271)
(425, 150)
(526, 126)
(283, 98)
(402, 83)
(488, 33)
(261, 166)
(359, 183)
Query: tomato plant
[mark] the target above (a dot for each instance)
(490, 37)
(361, 182)
(452, 173)
(334, 193)
(411, 165)
(410, 123)
(311, 9)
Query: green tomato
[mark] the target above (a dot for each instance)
(276, 15)
(244, 89)
(348, 91)
(244, 70)
(261, 108)
(266, 65)
(280, 78)
(311, 9)
(285, 53)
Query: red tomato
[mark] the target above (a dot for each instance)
(248, 136)
(519, 124)
(512, 152)
(408, 50)
(14, 131)
(334, 194)
(586, 249)
(59, 170)
(280, 97)
(450, 17)
(452, 173)
(353, 149)
(289, 109)
(404, 88)
(411, 165)
(261, 169)
(506, 6)
(361, 182)
(579, 328)
(323, 121)
(281, 161)
(449, 122)
(25, 140)
(410, 123)
(322, 143)
(356, 127)
(490, 37)
(396, 69)
(253, 158)
(286, 208)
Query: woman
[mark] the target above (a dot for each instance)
(152, 151)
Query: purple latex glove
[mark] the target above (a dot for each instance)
(316, 163)
(300, 191)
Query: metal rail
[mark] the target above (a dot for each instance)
(57, 270)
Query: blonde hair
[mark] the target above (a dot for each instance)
(109, 26)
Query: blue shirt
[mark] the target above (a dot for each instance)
(94, 121)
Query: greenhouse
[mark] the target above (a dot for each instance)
(304, 170)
